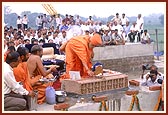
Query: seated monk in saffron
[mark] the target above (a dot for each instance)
(79, 52)
(36, 71)
(20, 72)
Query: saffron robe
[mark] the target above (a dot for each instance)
(21, 75)
(77, 51)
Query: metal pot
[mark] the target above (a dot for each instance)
(60, 96)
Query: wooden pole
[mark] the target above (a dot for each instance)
(47, 9)
(157, 48)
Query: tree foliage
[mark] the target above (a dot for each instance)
(7, 10)
(161, 19)
(11, 18)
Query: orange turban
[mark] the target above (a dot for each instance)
(96, 39)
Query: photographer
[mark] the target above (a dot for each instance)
(153, 67)
(153, 79)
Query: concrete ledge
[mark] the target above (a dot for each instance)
(124, 58)
(123, 51)
(126, 64)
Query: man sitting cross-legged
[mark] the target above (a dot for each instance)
(36, 71)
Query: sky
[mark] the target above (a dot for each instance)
(86, 9)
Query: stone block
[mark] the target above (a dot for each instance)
(134, 82)
(131, 92)
(153, 88)
(94, 85)
(61, 106)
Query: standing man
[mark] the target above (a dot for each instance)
(25, 22)
(140, 24)
(116, 19)
(59, 20)
(13, 92)
(19, 23)
(39, 22)
(44, 21)
(124, 19)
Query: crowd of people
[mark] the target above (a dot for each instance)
(76, 38)
(56, 29)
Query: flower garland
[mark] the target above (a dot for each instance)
(134, 100)
(158, 102)
(103, 104)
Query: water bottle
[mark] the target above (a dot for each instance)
(50, 95)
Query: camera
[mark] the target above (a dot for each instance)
(145, 67)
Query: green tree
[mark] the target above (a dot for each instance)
(25, 12)
(10, 19)
(7, 10)
(109, 18)
(161, 19)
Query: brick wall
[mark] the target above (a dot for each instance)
(126, 64)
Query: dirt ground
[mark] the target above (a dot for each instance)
(159, 63)
(137, 74)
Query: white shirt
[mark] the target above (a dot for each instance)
(38, 21)
(56, 40)
(63, 40)
(145, 37)
(25, 20)
(149, 82)
(124, 20)
(59, 20)
(19, 21)
(134, 28)
(10, 83)
(118, 20)
(119, 28)
(139, 22)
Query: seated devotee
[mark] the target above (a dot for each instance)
(37, 71)
(14, 93)
(79, 54)
(10, 49)
(117, 39)
(133, 32)
(20, 72)
(145, 37)
(106, 37)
